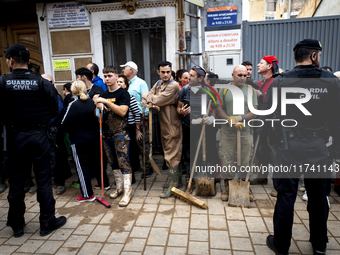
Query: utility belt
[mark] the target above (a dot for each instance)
(302, 134)
(306, 134)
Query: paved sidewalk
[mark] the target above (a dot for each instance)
(150, 225)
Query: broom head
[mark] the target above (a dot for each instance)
(103, 202)
(188, 198)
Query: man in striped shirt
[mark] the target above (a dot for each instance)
(137, 87)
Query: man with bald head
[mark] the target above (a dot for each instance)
(228, 133)
(96, 80)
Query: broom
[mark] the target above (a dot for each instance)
(186, 196)
(102, 201)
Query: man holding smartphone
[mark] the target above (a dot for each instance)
(189, 107)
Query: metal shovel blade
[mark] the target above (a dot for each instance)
(205, 186)
(238, 189)
(239, 193)
(155, 167)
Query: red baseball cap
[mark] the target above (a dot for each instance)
(270, 59)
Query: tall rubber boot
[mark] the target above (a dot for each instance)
(180, 183)
(127, 190)
(3, 185)
(173, 182)
(119, 184)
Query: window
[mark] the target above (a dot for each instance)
(139, 40)
(271, 5)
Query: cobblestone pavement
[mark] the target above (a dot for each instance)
(150, 225)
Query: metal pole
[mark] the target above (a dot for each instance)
(199, 35)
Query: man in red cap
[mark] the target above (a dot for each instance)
(265, 152)
(266, 69)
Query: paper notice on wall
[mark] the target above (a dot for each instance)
(67, 15)
(61, 64)
(223, 40)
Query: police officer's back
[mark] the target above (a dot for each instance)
(27, 104)
(304, 143)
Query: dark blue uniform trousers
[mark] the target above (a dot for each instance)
(25, 149)
(301, 152)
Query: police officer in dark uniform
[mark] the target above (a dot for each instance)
(27, 104)
(304, 143)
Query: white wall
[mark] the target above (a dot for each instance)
(328, 8)
(169, 12)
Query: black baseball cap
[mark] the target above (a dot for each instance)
(199, 70)
(18, 50)
(309, 44)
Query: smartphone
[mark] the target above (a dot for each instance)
(186, 102)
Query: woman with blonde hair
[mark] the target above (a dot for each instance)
(82, 125)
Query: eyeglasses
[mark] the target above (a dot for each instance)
(242, 75)
(163, 72)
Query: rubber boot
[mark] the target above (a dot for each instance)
(180, 183)
(3, 185)
(225, 193)
(127, 190)
(173, 182)
(119, 184)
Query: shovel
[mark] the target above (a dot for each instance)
(153, 164)
(238, 189)
(205, 186)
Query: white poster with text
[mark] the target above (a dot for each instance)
(67, 15)
(223, 40)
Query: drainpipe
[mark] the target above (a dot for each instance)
(289, 8)
(188, 45)
(199, 34)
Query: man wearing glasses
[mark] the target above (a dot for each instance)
(164, 96)
(228, 133)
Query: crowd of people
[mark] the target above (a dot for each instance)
(36, 127)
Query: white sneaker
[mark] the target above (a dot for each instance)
(301, 188)
(304, 197)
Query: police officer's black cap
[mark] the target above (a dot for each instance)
(18, 50)
(309, 44)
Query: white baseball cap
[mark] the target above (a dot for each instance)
(131, 64)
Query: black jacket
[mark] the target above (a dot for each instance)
(80, 121)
